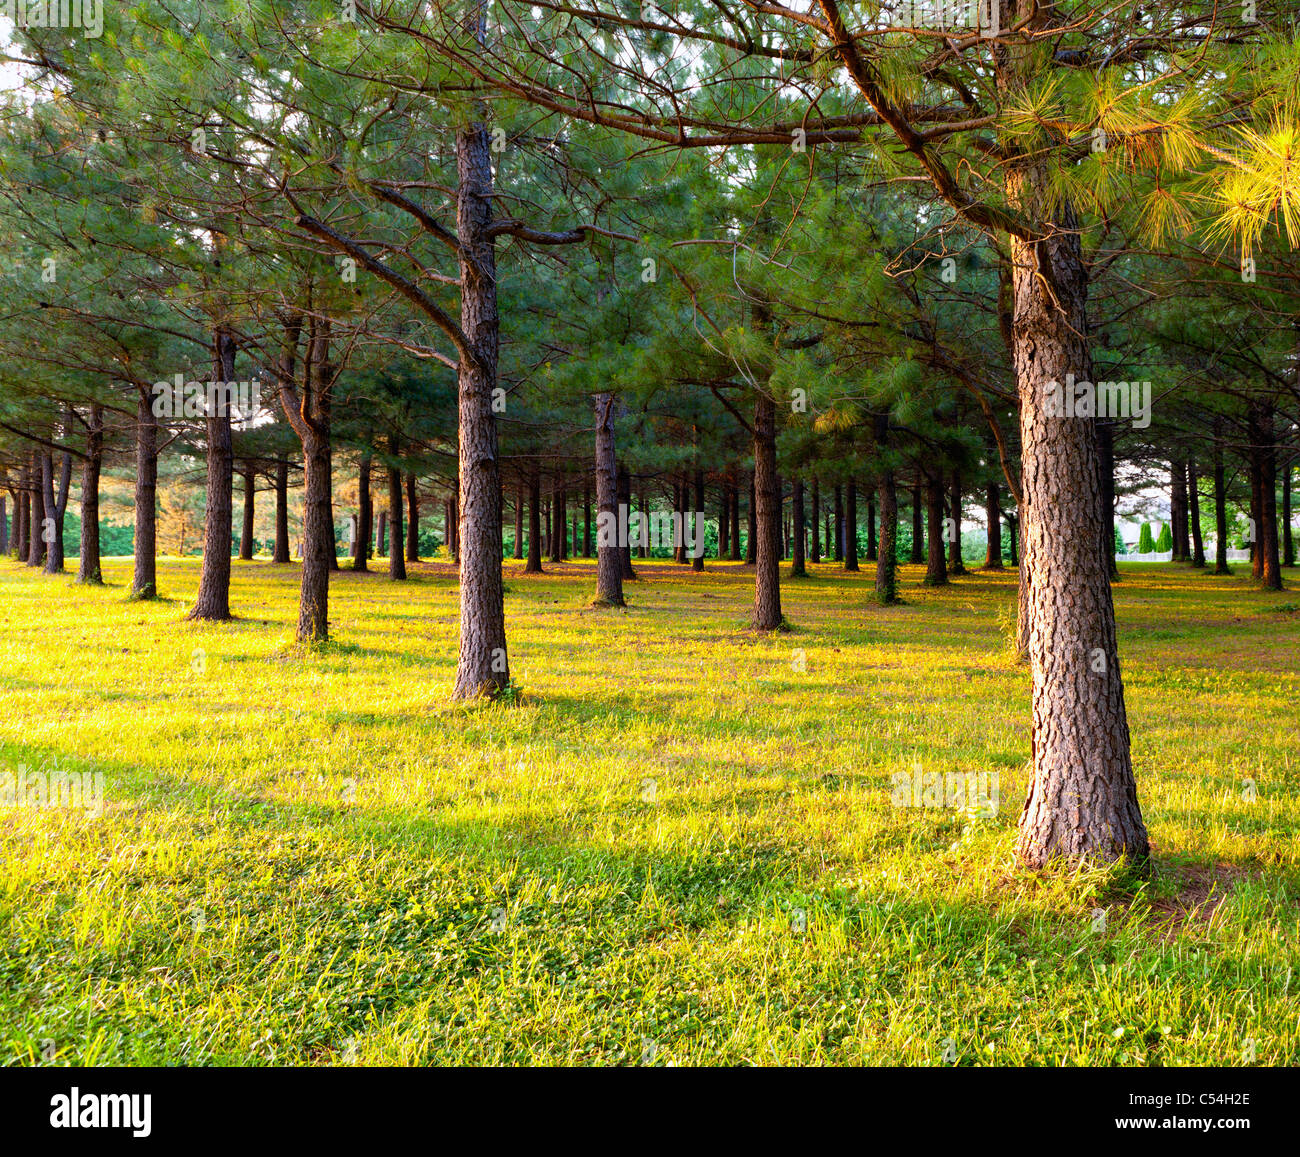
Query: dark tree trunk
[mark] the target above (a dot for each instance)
(871, 529)
(993, 507)
(724, 520)
(56, 504)
(312, 420)
(556, 528)
(767, 570)
(625, 499)
(1220, 512)
(839, 523)
(751, 539)
(381, 539)
(955, 564)
(816, 555)
(396, 552)
(1271, 563)
(4, 524)
(609, 550)
(534, 563)
(1194, 512)
(281, 512)
(365, 515)
(521, 500)
(250, 513)
(36, 540)
(851, 528)
(918, 527)
(22, 513)
(697, 515)
(887, 554)
(144, 583)
(1178, 509)
(88, 569)
(1082, 803)
(483, 667)
(412, 519)
(586, 520)
(1288, 542)
(798, 569)
(735, 523)
(936, 572)
(1255, 466)
(1013, 547)
(1106, 476)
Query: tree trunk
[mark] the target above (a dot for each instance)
(735, 523)
(381, 539)
(1013, 547)
(625, 499)
(936, 572)
(36, 539)
(1220, 512)
(1178, 509)
(609, 550)
(212, 604)
(993, 507)
(521, 500)
(56, 504)
(851, 528)
(250, 512)
(88, 569)
(1082, 804)
(4, 524)
(1256, 469)
(281, 512)
(1288, 542)
(887, 552)
(396, 537)
(798, 569)
(1194, 512)
(697, 516)
(724, 520)
(556, 528)
(751, 539)
(1271, 561)
(872, 545)
(839, 523)
(365, 513)
(918, 526)
(586, 520)
(144, 583)
(534, 563)
(767, 571)
(412, 519)
(317, 531)
(1106, 474)
(955, 564)
(816, 555)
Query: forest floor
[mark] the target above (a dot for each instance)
(677, 846)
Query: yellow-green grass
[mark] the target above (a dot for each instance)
(315, 858)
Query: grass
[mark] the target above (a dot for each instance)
(676, 847)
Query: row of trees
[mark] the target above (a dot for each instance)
(746, 252)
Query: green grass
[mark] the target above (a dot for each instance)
(320, 860)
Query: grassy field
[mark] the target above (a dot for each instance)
(677, 847)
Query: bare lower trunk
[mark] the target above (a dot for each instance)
(396, 544)
(37, 538)
(144, 584)
(365, 513)
(839, 523)
(56, 503)
(767, 572)
(609, 553)
(213, 600)
(936, 571)
(816, 554)
(798, 569)
(887, 551)
(281, 512)
(918, 527)
(1082, 803)
(88, 569)
(851, 528)
(1220, 513)
(534, 563)
(412, 520)
(1288, 542)
(955, 564)
(521, 496)
(735, 524)
(483, 667)
(993, 506)
(250, 515)
(1106, 477)
(1194, 513)
(625, 499)
(697, 559)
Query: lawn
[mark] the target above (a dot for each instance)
(675, 846)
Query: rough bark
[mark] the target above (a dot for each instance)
(1288, 542)
(918, 527)
(56, 504)
(483, 666)
(816, 555)
(1082, 803)
(534, 563)
(1220, 512)
(1178, 509)
(365, 513)
(839, 523)
(872, 546)
(851, 527)
(1106, 477)
(396, 539)
(735, 523)
(1194, 514)
(697, 559)
(381, 539)
(887, 551)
